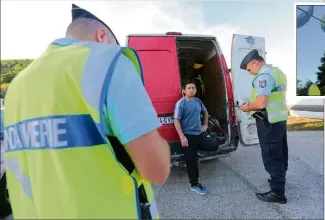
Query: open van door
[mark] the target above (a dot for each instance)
(242, 83)
(158, 56)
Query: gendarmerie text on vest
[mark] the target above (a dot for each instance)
(38, 133)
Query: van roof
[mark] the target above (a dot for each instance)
(176, 35)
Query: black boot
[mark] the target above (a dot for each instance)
(272, 197)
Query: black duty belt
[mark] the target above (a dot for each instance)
(144, 204)
(262, 116)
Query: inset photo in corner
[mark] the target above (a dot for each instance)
(310, 49)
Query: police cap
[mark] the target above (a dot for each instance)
(248, 58)
(78, 12)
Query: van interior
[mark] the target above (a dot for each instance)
(209, 79)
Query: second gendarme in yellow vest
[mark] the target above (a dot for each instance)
(59, 162)
(276, 108)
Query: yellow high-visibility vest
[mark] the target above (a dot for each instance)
(59, 162)
(276, 108)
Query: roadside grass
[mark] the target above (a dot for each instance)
(304, 124)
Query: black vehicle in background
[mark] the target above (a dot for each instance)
(5, 208)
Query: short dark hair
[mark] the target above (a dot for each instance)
(189, 81)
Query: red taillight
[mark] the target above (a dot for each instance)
(174, 33)
(230, 95)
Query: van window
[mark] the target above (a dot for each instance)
(159, 73)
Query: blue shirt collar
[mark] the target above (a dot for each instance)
(265, 68)
(65, 41)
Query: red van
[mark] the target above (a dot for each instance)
(168, 58)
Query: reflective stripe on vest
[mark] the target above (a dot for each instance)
(57, 155)
(277, 111)
(276, 107)
(278, 114)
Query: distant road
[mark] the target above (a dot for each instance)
(309, 108)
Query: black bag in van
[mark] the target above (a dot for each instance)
(209, 142)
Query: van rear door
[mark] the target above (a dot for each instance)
(242, 83)
(158, 56)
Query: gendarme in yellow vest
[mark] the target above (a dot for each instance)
(276, 108)
(59, 162)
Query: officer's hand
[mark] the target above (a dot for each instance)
(184, 141)
(204, 128)
(245, 107)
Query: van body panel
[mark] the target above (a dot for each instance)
(242, 83)
(178, 35)
(158, 56)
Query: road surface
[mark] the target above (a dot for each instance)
(309, 108)
(232, 182)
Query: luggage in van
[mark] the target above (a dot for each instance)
(210, 142)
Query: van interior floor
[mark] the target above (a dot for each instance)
(209, 78)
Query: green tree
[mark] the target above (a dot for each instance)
(321, 75)
(302, 89)
(9, 70)
(308, 84)
(298, 87)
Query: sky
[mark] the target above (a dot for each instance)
(27, 27)
(310, 45)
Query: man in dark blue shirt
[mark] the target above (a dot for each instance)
(188, 125)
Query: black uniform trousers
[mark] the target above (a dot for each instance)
(274, 146)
